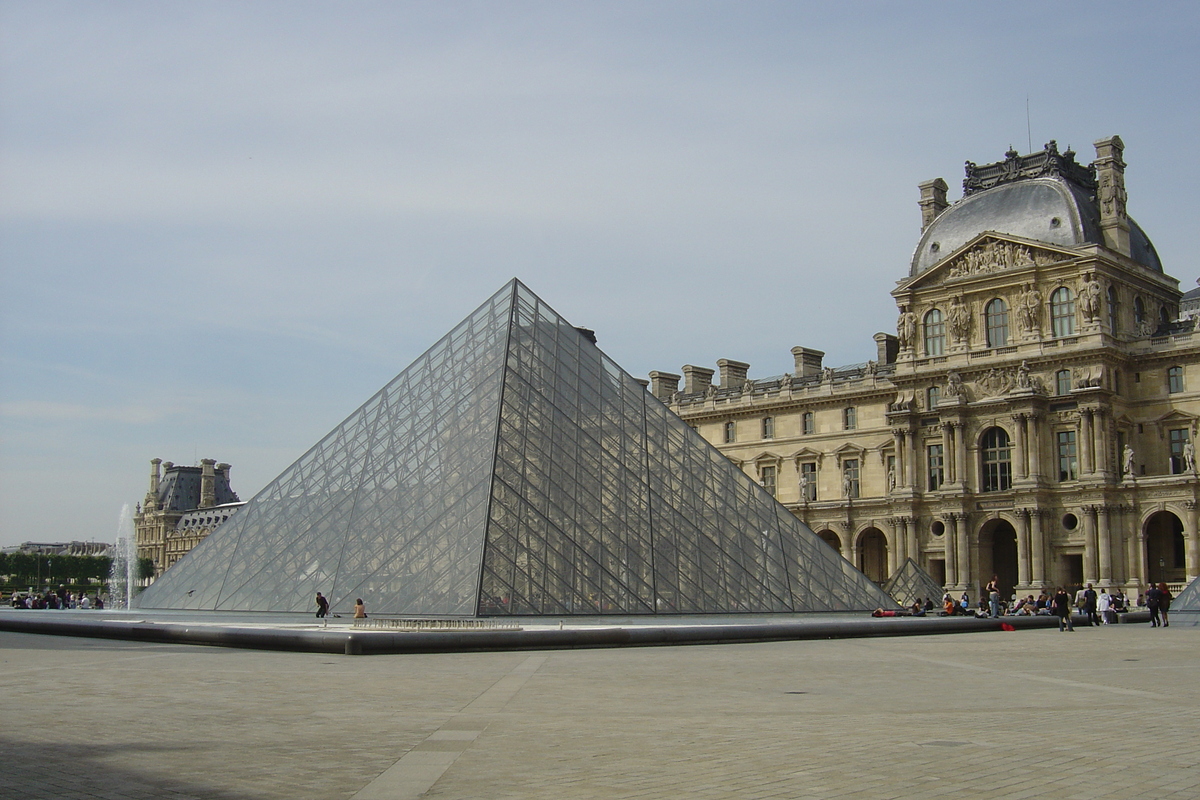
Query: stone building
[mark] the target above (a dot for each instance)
(1033, 416)
(182, 506)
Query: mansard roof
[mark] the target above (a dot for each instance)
(1046, 197)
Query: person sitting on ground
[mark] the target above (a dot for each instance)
(917, 609)
(360, 610)
(929, 606)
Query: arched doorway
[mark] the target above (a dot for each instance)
(998, 544)
(1165, 549)
(872, 554)
(832, 539)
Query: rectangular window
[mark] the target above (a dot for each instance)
(850, 417)
(1175, 380)
(1179, 442)
(807, 423)
(1068, 466)
(937, 467)
(766, 476)
(850, 477)
(808, 481)
(768, 428)
(730, 432)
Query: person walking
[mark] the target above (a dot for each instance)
(1153, 596)
(322, 606)
(1062, 609)
(1089, 606)
(1164, 603)
(1104, 606)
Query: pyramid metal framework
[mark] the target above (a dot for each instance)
(911, 583)
(1189, 598)
(514, 469)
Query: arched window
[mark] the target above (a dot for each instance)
(1062, 312)
(1139, 311)
(933, 396)
(1112, 309)
(1174, 379)
(1062, 382)
(935, 333)
(1164, 316)
(997, 460)
(996, 319)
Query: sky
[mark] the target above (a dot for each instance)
(223, 226)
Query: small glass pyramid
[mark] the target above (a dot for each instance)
(514, 469)
(1189, 598)
(911, 583)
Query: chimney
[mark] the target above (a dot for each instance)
(808, 362)
(1110, 193)
(151, 502)
(663, 385)
(696, 379)
(887, 347)
(933, 200)
(733, 373)
(208, 494)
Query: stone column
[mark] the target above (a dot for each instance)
(1019, 470)
(900, 534)
(1104, 548)
(960, 453)
(1033, 445)
(1085, 441)
(1192, 537)
(913, 546)
(894, 544)
(1100, 450)
(962, 548)
(1089, 545)
(948, 453)
(1037, 549)
(950, 542)
(898, 444)
(1023, 554)
(1139, 561)
(914, 469)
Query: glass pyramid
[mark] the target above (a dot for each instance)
(910, 583)
(514, 469)
(1189, 598)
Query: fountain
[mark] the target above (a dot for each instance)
(124, 563)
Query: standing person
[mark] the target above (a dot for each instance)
(1104, 606)
(360, 610)
(993, 596)
(322, 605)
(1153, 595)
(1062, 609)
(1089, 606)
(1164, 602)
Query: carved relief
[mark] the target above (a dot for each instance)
(990, 256)
(1029, 309)
(959, 317)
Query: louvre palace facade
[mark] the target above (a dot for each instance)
(1032, 417)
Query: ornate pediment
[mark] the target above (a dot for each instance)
(986, 254)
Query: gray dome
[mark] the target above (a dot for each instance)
(1049, 210)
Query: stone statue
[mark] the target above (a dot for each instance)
(1127, 461)
(1089, 298)
(906, 329)
(804, 486)
(1023, 381)
(1029, 309)
(1189, 457)
(827, 374)
(960, 320)
(846, 484)
(891, 477)
(954, 385)
(786, 381)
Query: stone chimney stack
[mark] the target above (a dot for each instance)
(663, 385)
(887, 347)
(808, 361)
(696, 379)
(733, 373)
(208, 492)
(933, 200)
(1110, 193)
(151, 502)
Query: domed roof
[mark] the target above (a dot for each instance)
(1058, 208)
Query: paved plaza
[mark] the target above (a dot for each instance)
(1110, 712)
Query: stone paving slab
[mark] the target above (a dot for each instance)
(1111, 712)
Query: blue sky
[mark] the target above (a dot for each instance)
(224, 225)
